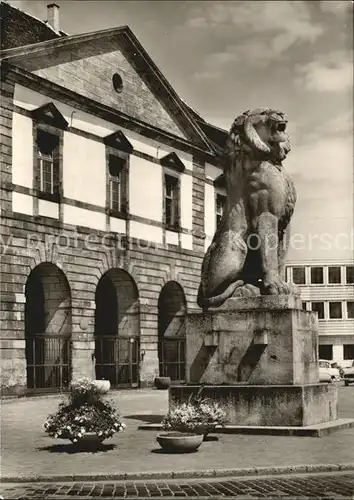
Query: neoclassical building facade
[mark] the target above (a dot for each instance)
(110, 193)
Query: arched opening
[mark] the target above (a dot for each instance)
(47, 329)
(117, 329)
(172, 311)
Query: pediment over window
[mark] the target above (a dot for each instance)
(220, 181)
(51, 115)
(172, 161)
(119, 141)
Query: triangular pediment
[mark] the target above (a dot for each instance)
(220, 181)
(119, 141)
(172, 161)
(51, 115)
(113, 69)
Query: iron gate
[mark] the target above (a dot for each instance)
(172, 358)
(48, 363)
(117, 360)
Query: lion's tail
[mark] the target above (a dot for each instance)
(217, 300)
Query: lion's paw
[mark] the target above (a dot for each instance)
(280, 288)
(246, 291)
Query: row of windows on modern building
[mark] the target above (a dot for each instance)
(48, 155)
(321, 275)
(327, 310)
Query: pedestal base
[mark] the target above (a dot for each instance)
(262, 405)
(316, 430)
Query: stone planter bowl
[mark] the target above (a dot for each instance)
(179, 442)
(102, 385)
(162, 382)
(89, 439)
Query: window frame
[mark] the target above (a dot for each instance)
(323, 276)
(341, 309)
(318, 302)
(123, 182)
(321, 356)
(340, 276)
(56, 159)
(176, 225)
(292, 275)
(345, 347)
(218, 194)
(346, 282)
(347, 310)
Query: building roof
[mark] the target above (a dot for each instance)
(30, 43)
(62, 49)
(19, 28)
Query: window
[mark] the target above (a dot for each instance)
(171, 215)
(117, 184)
(334, 276)
(303, 304)
(349, 275)
(335, 310)
(319, 308)
(348, 351)
(317, 275)
(287, 274)
(299, 275)
(350, 310)
(117, 83)
(325, 352)
(220, 202)
(48, 162)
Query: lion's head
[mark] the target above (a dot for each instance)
(262, 131)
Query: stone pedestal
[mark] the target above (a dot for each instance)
(258, 357)
(268, 405)
(259, 340)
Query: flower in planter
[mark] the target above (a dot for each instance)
(196, 415)
(85, 411)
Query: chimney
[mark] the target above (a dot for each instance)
(53, 16)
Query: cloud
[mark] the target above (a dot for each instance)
(207, 75)
(340, 125)
(290, 18)
(263, 31)
(339, 8)
(329, 158)
(331, 74)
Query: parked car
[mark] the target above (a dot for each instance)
(348, 374)
(327, 373)
(336, 365)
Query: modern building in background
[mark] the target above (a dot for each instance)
(328, 289)
(107, 188)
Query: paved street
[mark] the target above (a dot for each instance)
(28, 451)
(327, 486)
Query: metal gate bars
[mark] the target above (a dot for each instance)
(48, 363)
(117, 360)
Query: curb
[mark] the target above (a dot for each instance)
(316, 430)
(187, 474)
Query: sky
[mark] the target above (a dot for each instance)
(225, 57)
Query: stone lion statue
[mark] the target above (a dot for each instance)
(246, 256)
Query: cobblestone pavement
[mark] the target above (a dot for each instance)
(27, 451)
(326, 486)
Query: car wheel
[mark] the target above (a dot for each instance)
(332, 380)
(346, 383)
